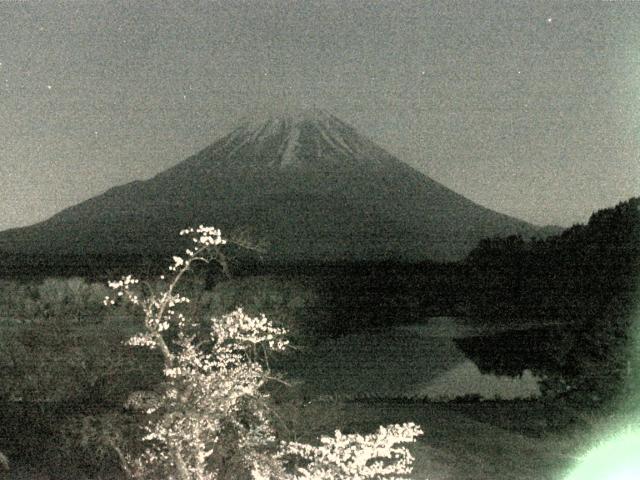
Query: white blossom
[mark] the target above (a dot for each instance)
(141, 340)
(357, 457)
(215, 387)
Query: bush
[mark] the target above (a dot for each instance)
(64, 298)
(56, 361)
(212, 417)
(60, 344)
(291, 303)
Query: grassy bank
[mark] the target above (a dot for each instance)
(66, 375)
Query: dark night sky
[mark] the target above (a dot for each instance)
(530, 109)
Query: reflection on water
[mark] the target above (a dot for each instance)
(443, 327)
(414, 361)
(466, 379)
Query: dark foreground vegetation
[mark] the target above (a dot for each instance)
(582, 288)
(66, 374)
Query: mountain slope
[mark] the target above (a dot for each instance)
(306, 182)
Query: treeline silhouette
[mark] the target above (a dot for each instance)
(581, 283)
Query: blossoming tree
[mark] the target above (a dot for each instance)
(212, 417)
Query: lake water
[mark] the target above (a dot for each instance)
(411, 361)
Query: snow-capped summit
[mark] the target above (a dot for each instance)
(299, 137)
(303, 180)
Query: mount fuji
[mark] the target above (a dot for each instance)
(304, 181)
